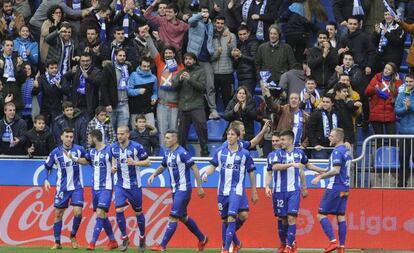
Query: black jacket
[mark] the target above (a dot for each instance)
(360, 44)
(109, 85)
(345, 111)
(245, 66)
(97, 59)
(342, 10)
(78, 123)
(42, 141)
(19, 128)
(297, 24)
(148, 141)
(134, 20)
(13, 87)
(355, 77)
(130, 50)
(322, 68)
(247, 116)
(71, 82)
(52, 96)
(315, 126)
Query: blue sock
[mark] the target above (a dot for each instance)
(223, 232)
(76, 223)
(239, 223)
(282, 229)
(97, 229)
(231, 230)
(327, 228)
(291, 234)
(57, 229)
(342, 232)
(192, 226)
(120, 219)
(141, 224)
(171, 227)
(236, 240)
(108, 229)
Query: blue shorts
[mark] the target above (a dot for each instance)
(230, 205)
(134, 197)
(101, 199)
(180, 202)
(75, 196)
(333, 202)
(286, 203)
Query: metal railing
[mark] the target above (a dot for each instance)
(385, 161)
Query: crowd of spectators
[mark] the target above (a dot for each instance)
(160, 64)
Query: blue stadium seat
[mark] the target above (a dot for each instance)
(215, 129)
(387, 158)
(257, 127)
(162, 150)
(254, 154)
(407, 41)
(191, 150)
(258, 100)
(220, 105)
(192, 134)
(213, 147)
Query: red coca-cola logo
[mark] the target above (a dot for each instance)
(28, 218)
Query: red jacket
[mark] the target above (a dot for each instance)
(381, 110)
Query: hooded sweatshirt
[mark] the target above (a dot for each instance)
(140, 103)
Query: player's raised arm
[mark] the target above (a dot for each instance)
(196, 172)
(258, 138)
(157, 172)
(330, 173)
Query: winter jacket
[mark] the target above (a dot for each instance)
(297, 25)
(246, 115)
(41, 13)
(222, 63)
(52, 96)
(109, 136)
(109, 85)
(360, 44)
(148, 141)
(409, 28)
(79, 135)
(315, 127)
(57, 47)
(394, 50)
(134, 22)
(19, 128)
(13, 87)
(130, 51)
(277, 59)
(18, 23)
(20, 46)
(355, 77)
(89, 100)
(293, 81)
(141, 103)
(406, 115)
(42, 141)
(342, 10)
(97, 59)
(381, 110)
(345, 111)
(321, 67)
(245, 66)
(196, 34)
(190, 92)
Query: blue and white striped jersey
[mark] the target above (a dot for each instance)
(286, 180)
(179, 163)
(128, 176)
(69, 173)
(101, 161)
(232, 167)
(341, 156)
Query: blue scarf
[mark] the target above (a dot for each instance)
(383, 40)
(125, 21)
(22, 50)
(195, 3)
(76, 5)
(66, 54)
(357, 8)
(82, 84)
(297, 127)
(308, 104)
(326, 126)
(8, 133)
(122, 82)
(9, 69)
(53, 80)
(102, 32)
(27, 96)
(260, 24)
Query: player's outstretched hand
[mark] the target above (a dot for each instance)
(204, 177)
(150, 179)
(255, 197)
(200, 192)
(304, 192)
(316, 179)
(47, 185)
(268, 192)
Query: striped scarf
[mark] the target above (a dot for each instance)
(27, 96)
(260, 24)
(53, 80)
(125, 21)
(308, 104)
(76, 5)
(383, 40)
(102, 32)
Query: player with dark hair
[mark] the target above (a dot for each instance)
(179, 163)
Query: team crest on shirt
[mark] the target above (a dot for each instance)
(237, 158)
(173, 157)
(129, 152)
(296, 155)
(101, 155)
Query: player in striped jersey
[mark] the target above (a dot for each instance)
(286, 164)
(69, 184)
(129, 156)
(179, 163)
(100, 157)
(232, 162)
(336, 195)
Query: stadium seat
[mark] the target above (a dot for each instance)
(215, 129)
(254, 154)
(191, 150)
(192, 134)
(257, 127)
(387, 158)
(213, 147)
(162, 150)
